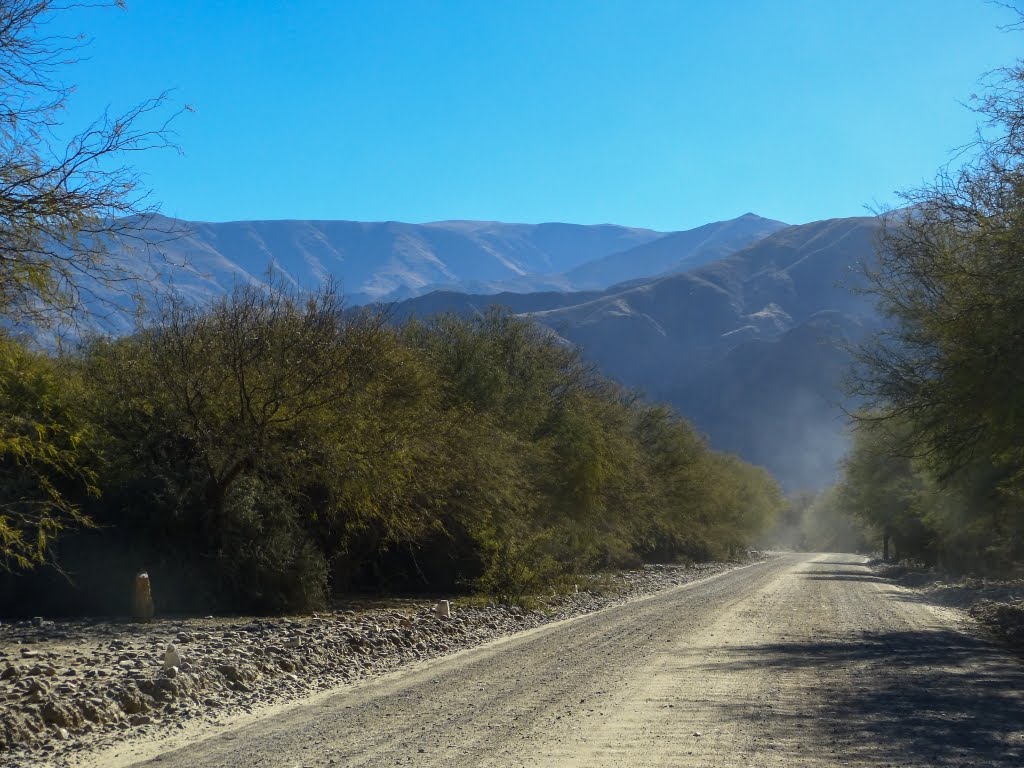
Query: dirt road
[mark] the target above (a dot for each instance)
(807, 660)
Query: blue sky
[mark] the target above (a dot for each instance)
(657, 114)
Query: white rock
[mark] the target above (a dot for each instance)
(171, 657)
(443, 609)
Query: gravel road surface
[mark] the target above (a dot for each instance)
(805, 660)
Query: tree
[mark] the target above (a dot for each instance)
(42, 472)
(64, 203)
(949, 276)
(881, 488)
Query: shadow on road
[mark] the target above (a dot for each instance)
(859, 564)
(906, 698)
(841, 576)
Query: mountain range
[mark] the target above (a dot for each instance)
(740, 324)
(387, 261)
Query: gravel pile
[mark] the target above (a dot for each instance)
(70, 684)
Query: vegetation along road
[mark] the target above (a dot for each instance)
(803, 660)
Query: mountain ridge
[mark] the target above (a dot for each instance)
(389, 260)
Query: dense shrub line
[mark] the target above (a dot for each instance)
(257, 453)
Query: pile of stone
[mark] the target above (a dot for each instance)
(67, 684)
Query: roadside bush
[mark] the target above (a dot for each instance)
(268, 562)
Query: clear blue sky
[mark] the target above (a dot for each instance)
(664, 114)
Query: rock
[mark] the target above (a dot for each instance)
(293, 642)
(231, 672)
(59, 714)
(443, 609)
(171, 671)
(9, 672)
(171, 657)
(37, 621)
(142, 603)
(140, 719)
(131, 701)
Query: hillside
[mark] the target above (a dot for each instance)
(375, 261)
(676, 252)
(750, 347)
(389, 261)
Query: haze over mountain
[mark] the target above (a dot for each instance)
(750, 347)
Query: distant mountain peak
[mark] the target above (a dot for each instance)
(675, 252)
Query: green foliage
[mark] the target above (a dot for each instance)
(944, 471)
(896, 500)
(271, 447)
(65, 197)
(826, 526)
(44, 449)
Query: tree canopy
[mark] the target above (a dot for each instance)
(944, 381)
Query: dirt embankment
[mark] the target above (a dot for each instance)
(65, 686)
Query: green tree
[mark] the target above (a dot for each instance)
(882, 486)
(264, 431)
(64, 202)
(948, 274)
(44, 444)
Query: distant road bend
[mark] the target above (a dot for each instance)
(807, 660)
